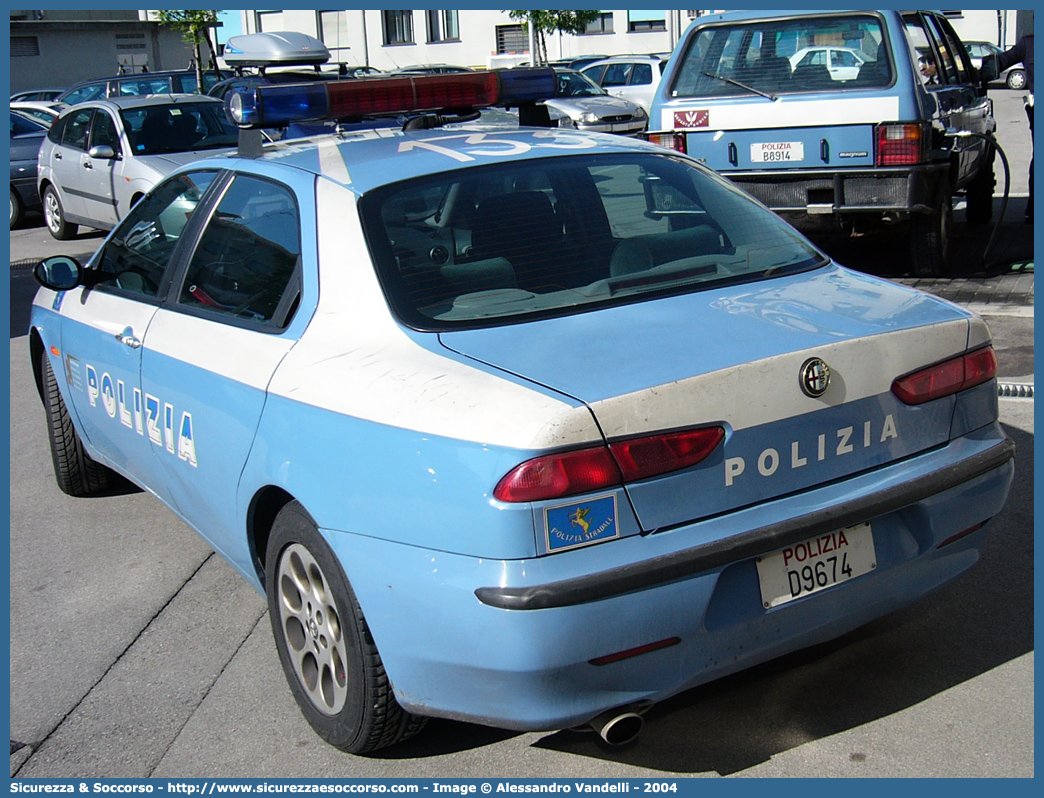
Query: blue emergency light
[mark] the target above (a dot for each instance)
(272, 106)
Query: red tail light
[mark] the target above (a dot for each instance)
(668, 139)
(949, 377)
(584, 470)
(901, 145)
(640, 458)
(556, 475)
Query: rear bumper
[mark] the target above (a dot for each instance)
(765, 539)
(511, 643)
(899, 190)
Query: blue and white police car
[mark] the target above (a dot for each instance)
(526, 427)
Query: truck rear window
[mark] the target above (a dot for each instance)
(784, 56)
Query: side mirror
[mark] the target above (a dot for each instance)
(103, 151)
(59, 273)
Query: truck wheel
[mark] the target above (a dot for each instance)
(77, 474)
(930, 236)
(328, 655)
(980, 192)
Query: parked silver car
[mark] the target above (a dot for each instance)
(101, 157)
(631, 77)
(583, 104)
(1012, 77)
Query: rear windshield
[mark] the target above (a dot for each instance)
(181, 127)
(784, 56)
(555, 236)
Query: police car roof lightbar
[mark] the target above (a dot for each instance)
(275, 105)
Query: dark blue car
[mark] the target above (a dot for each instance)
(26, 136)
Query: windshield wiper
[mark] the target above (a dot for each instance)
(772, 97)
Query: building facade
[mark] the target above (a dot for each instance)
(390, 39)
(55, 49)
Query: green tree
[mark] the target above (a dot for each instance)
(196, 26)
(545, 22)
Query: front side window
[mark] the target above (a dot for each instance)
(782, 56)
(104, 132)
(137, 255)
(245, 266)
(558, 236)
(77, 127)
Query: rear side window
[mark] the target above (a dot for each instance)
(245, 266)
(784, 56)
(560, 236)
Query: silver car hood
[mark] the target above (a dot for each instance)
(601, 106)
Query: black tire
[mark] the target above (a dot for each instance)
(77, 474)
(930, 235)
(980, 192)
(328, 655)
(17, 209)
(54, 216)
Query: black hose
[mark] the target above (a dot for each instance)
(992, 140)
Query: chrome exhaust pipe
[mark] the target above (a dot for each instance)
(618, 726)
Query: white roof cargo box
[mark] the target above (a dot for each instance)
(283, 48)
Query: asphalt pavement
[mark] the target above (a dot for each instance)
(137, 652)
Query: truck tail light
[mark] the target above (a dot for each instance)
(594, 468)
(900, 144)
(669, 139)
(947, 378)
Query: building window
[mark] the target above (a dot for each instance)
(511, 39)
(442, 26)
(24, 45)
(268, 21)
(398, 27)
(640, 21)
(604, 23)
(333, 28)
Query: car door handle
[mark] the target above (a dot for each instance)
(88, 165)
(127, 338)
(57, 156)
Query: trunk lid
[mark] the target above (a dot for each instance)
(733, 356)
